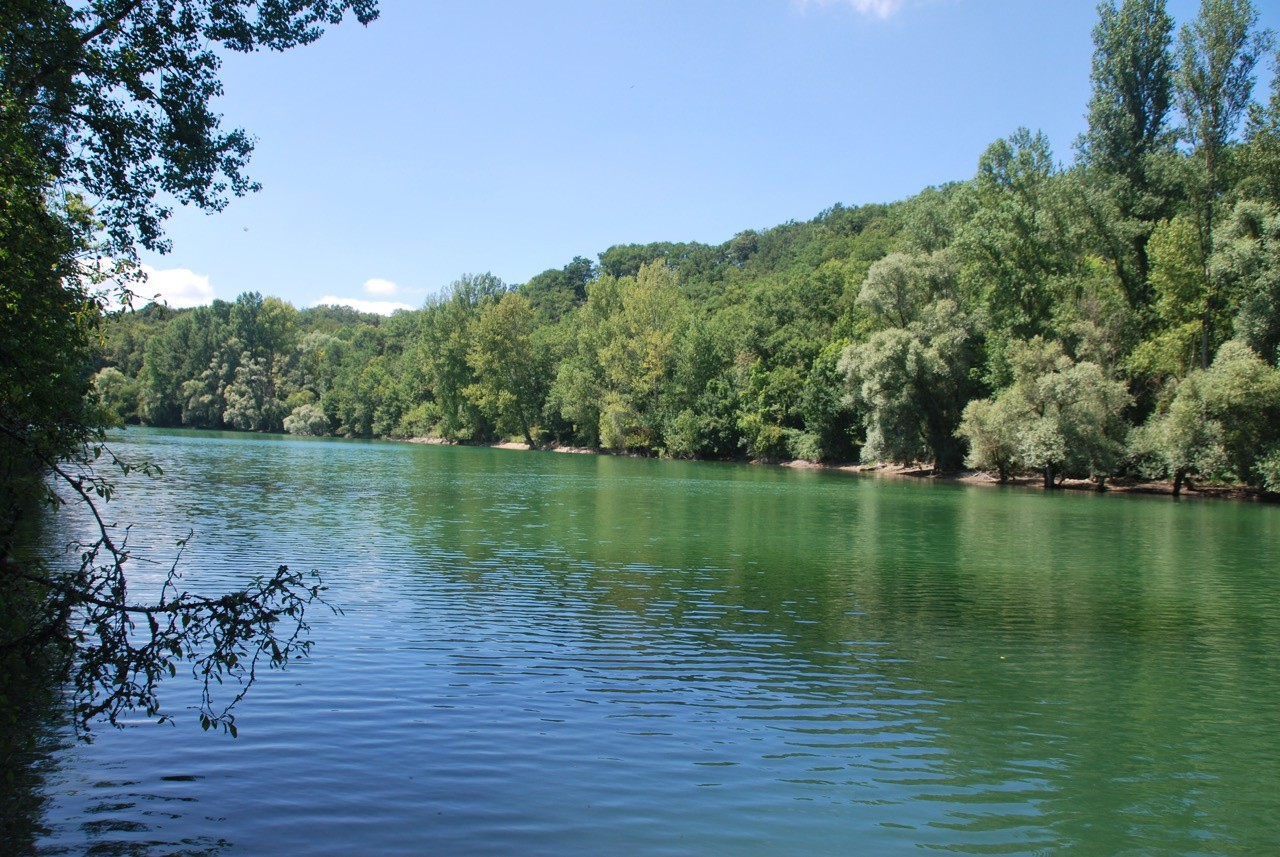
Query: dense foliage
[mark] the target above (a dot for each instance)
(105, 121)
(1120, 316)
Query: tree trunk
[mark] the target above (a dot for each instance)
(1048, 477)
(528, 435)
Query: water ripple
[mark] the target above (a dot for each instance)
(567, 654)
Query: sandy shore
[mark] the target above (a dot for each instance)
(966, 477)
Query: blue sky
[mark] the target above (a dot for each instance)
(509, 136)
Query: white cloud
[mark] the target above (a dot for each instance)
(380, 287)
(379, 307)
(881, 9)
(177, 287)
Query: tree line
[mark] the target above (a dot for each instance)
(1120, 315)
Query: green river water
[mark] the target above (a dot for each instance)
(559, 654)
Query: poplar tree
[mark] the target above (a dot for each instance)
(1217, 55)
(1132, 79)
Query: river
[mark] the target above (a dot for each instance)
(561, 654)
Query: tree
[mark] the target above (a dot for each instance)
(105, 117)
(910, 385)
(307, 420)
(1132, 88)
(1014, 246)
(828, 418)
(1132, 93)
(114, 97)
(1223, 422)
(900, 285)
(1246, 262)
(637, 356)
(117, 393)
(442, 350)
(511, 379)
(990, 426)
(1178, 287)
(702, 400)
(1217, 54)
(555, 292)
(1262, 148)
(1059, 417)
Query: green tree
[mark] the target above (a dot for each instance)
(637, 356)
(1261, 153)
(1246, 262)
(204, 397)
(702, 400)
(1224, 422)
(117, 393)
(193, 346)
(828, 418)
(442, 350)
(307, 419)
(111, 101)
(555, 292)
(1178, 286)
(1059, 417)
(910, 386)
(991, 427)
(1217, 54)
(1132, 88)
(1132, 79)
(899, 286)
(1014, 246)
(511, 378)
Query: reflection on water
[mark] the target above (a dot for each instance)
(551, 654)
(28, 739)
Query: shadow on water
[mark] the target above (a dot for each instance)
(29, 740)
(30, 717)
(37, 738)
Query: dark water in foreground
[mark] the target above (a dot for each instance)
(556, 654)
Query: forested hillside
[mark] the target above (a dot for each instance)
(1120, 315)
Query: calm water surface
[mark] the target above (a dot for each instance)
(558, 654)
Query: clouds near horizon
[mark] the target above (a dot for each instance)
(180, 288)
(881, 9)
(382, 290)
(378, 286)
(363, 305)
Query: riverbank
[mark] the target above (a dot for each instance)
(1115, 485)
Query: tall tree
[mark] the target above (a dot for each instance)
(1013, 247)
(1132, 87)
(637, 356)
(910, 384)
(1217, 54)
(1262, 149)
(446, 340)
(511, 378)
(1132, 79)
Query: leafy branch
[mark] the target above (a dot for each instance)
(117, 651)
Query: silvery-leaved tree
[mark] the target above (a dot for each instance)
(105, 123)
